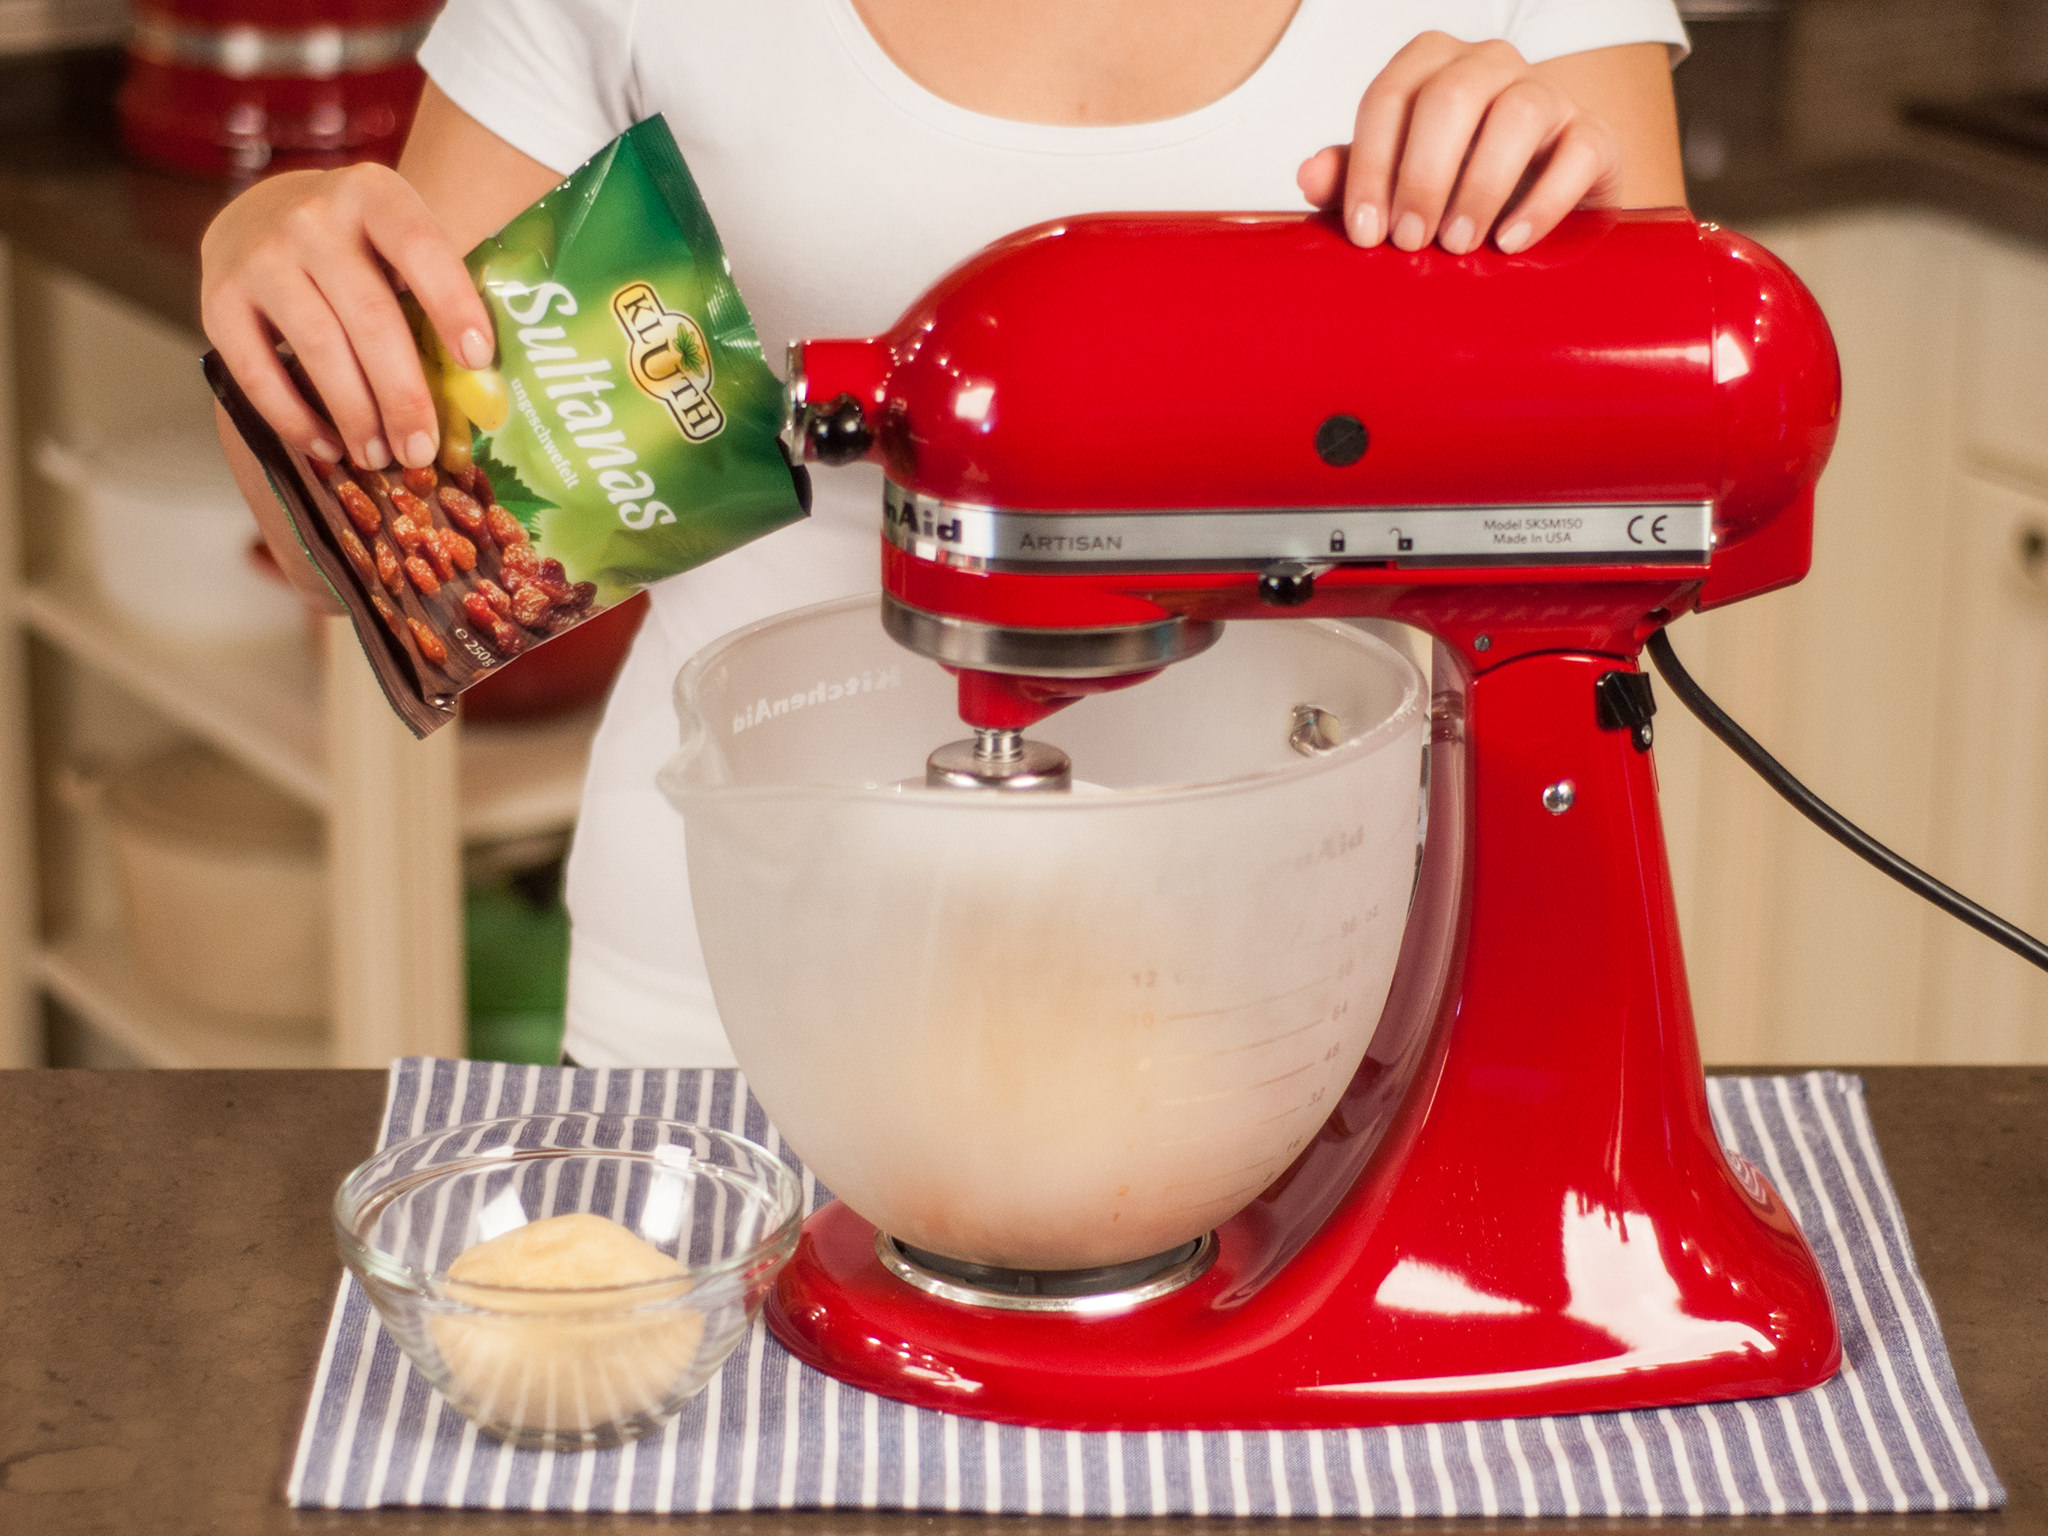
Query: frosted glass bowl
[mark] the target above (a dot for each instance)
(1048, 1031)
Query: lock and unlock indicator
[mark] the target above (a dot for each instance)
(1402, 542)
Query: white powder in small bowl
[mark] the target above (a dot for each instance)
(547, 1349)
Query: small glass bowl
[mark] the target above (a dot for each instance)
(569, 1369)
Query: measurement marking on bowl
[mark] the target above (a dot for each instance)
(1242, 1192)
(1199, 1138)
(1302, 1029)
(1306, 1066)
(1238, 1093)
(1262, 1002)
(1255, 1169)
(1293, 1109)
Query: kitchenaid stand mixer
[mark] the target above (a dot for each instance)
(1106, 437)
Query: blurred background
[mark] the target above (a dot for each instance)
(218, 848)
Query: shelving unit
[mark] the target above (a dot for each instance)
(261, 706)
(93, 977)
(304, 715)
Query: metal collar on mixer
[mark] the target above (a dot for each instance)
(1109, 652)
(1089, 1292)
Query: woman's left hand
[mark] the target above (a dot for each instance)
(1458, 141)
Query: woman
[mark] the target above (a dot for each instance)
(850, 151)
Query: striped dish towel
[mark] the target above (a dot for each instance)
(1889, 1433)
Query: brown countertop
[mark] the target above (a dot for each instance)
(166, 1271)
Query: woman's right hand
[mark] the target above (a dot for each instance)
(311, 258)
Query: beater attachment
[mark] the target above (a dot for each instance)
(999, 760)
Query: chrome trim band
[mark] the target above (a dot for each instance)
(1109, 652)
(1577, 533)
(307, 53)
(796, 403)
(1101, 1304)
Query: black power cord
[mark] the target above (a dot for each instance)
(1832, 821)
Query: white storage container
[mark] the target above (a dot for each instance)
(169, 537)
(222, 880)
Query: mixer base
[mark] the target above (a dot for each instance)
(1225, 1352)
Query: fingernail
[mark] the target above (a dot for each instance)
(1458, 238)
(477, 350)
(324, 451)
(1408, 233)
(1365, 225)
(1515, 236)
(375, 455)
(419, 450)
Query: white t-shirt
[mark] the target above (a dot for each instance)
(842, 188)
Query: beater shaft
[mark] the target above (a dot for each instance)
(999, 760)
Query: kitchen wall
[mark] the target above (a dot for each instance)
(1818, 88)
(1851, 64)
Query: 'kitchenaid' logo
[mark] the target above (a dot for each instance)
(669, 359)
(870, 681)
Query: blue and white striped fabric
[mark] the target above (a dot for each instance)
(1889, 1433)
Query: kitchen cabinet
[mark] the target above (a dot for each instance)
(1991, 793)
(2004, 423)
(1906, 680)
(81, 689)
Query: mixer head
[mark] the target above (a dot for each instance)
(1092, 463)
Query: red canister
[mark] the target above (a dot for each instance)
(243, 87)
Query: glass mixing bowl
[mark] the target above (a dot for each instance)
(1048, 1031)
(568, 1369)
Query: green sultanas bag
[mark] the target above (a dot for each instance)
(628, 430)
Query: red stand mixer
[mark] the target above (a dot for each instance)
(242, 88)
(1106, 437)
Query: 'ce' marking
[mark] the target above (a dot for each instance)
(1635, 529)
